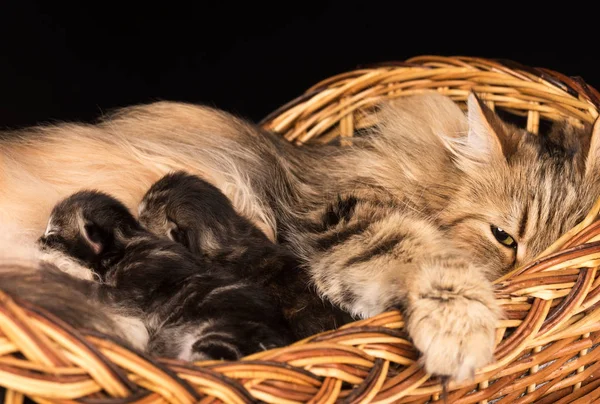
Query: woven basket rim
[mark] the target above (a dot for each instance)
(574, 85)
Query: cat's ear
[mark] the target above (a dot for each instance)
(488, 138)
(173, 231)
(592, 163)
(94, 236)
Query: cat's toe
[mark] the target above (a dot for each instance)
(456, 336)
(458, 357)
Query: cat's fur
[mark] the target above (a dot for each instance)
(196, 214)
(193, 308)
(399, 219)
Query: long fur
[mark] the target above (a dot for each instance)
(196, 214)
(192, 306)
(404, 217)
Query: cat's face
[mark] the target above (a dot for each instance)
(188, 210)
(521, 192)
(160, 210)
(85, 225)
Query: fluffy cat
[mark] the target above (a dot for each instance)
(418, 215)
(193, 309)
(196, 214)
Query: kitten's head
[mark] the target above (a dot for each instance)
(87, 225)
(516, 192)
(188, 210)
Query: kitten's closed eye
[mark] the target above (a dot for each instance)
(503, 237)
(51, 241)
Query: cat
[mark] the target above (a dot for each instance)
(196, 214)
(418, 215)
(192, 308)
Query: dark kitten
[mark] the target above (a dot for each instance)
(196, 214)
(193, 308)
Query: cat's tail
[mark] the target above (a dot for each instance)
(79, 302)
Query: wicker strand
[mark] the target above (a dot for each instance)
(547, 344)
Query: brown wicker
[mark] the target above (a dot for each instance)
(546, 347)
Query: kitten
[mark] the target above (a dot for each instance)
(420, 214)
(193, 308)
(196, 214)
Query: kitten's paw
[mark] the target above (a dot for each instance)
(454, 329)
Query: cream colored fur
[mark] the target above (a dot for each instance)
(428, 183)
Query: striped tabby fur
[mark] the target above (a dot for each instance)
(402, 218)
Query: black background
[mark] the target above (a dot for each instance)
(74, 61)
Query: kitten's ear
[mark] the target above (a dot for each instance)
(591, 162)
(180, 236)
(173, 231)
(489, 138)
(94, 237)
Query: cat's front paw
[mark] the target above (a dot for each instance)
(454, 327)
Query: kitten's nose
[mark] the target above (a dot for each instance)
(42, 243)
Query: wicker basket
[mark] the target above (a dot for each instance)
(546, 347)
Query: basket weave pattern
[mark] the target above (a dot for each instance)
(546, 344)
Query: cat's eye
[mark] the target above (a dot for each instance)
(503, 237)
